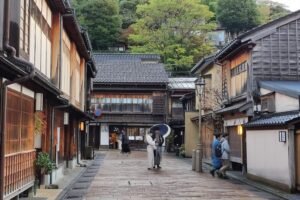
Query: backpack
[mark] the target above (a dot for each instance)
(218, 150)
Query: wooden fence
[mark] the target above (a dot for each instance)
(19, 171)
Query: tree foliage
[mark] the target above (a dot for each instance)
(128, 11)
(270, 10)
(175, 29)
(237, 15)
(102, 20)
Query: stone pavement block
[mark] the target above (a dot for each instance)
(123, 177)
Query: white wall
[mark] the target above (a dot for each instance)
(267, 157)
(285, 103)
(104, 134)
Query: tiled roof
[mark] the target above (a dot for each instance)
(276, 119)
(129, 68)
(289, 88)
(243, 39)
(232, 108)
(182, 83)
(203, 63)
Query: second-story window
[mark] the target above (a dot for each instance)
(40, 36)
(123, 103)
(238, 79)
(24, 26)
(66, 64)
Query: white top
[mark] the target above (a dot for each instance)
(150, 141)
(225, 149)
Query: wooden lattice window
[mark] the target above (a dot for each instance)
(24, 26)
(19, 123)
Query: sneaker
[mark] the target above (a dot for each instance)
(149, 169)
(212, 173)
(158, 166)
(220, 175)
(224, 176)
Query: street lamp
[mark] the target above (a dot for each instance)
(198, 153)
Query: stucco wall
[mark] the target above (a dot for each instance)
(191, 131)
(283, 102)
(267, 157)
(104, 134)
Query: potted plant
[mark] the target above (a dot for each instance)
(45, 166)
(170, 142)
(182, 151)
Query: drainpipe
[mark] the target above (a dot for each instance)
(11, 51)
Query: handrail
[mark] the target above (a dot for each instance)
(21, 152)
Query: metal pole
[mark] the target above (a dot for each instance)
(200, 146)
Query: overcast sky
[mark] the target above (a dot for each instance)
(293, 5)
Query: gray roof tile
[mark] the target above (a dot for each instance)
(130, 68)
(276, 119)
(182, 83)
(289, 88)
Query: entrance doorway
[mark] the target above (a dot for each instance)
(94, 137)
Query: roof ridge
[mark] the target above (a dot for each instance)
(99, 53)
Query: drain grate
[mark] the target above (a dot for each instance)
(79, 188)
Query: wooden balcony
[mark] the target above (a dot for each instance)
(18, 172)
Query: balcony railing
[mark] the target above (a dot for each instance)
(19, 171)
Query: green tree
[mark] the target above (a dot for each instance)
(237, 15)
(128, 11)
(102, 20)
(175, 29)
(212, 5)
(270, 10)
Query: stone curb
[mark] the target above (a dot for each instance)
(256, 185)
(66, 189)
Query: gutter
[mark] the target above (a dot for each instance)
(11, 53)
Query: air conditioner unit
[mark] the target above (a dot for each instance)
(268, 104)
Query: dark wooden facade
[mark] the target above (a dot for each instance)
(31, 32)
(268, 52)
(131, 93)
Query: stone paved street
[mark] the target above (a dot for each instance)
(123, 177)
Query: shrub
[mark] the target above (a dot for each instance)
(44, 163)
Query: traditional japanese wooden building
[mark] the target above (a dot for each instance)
(268, 52)
(177, 88)
(45, 67)
(131, 94)
(273, 136)
(211, 101)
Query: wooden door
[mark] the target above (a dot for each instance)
(94, 136)
(235, 142)
(297, 159)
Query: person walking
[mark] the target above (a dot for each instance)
(159, 140)
(125, 143)
(216, 154)
(150, 150)
(225, 156)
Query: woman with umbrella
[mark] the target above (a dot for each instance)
(150, 149)
(159, 141)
